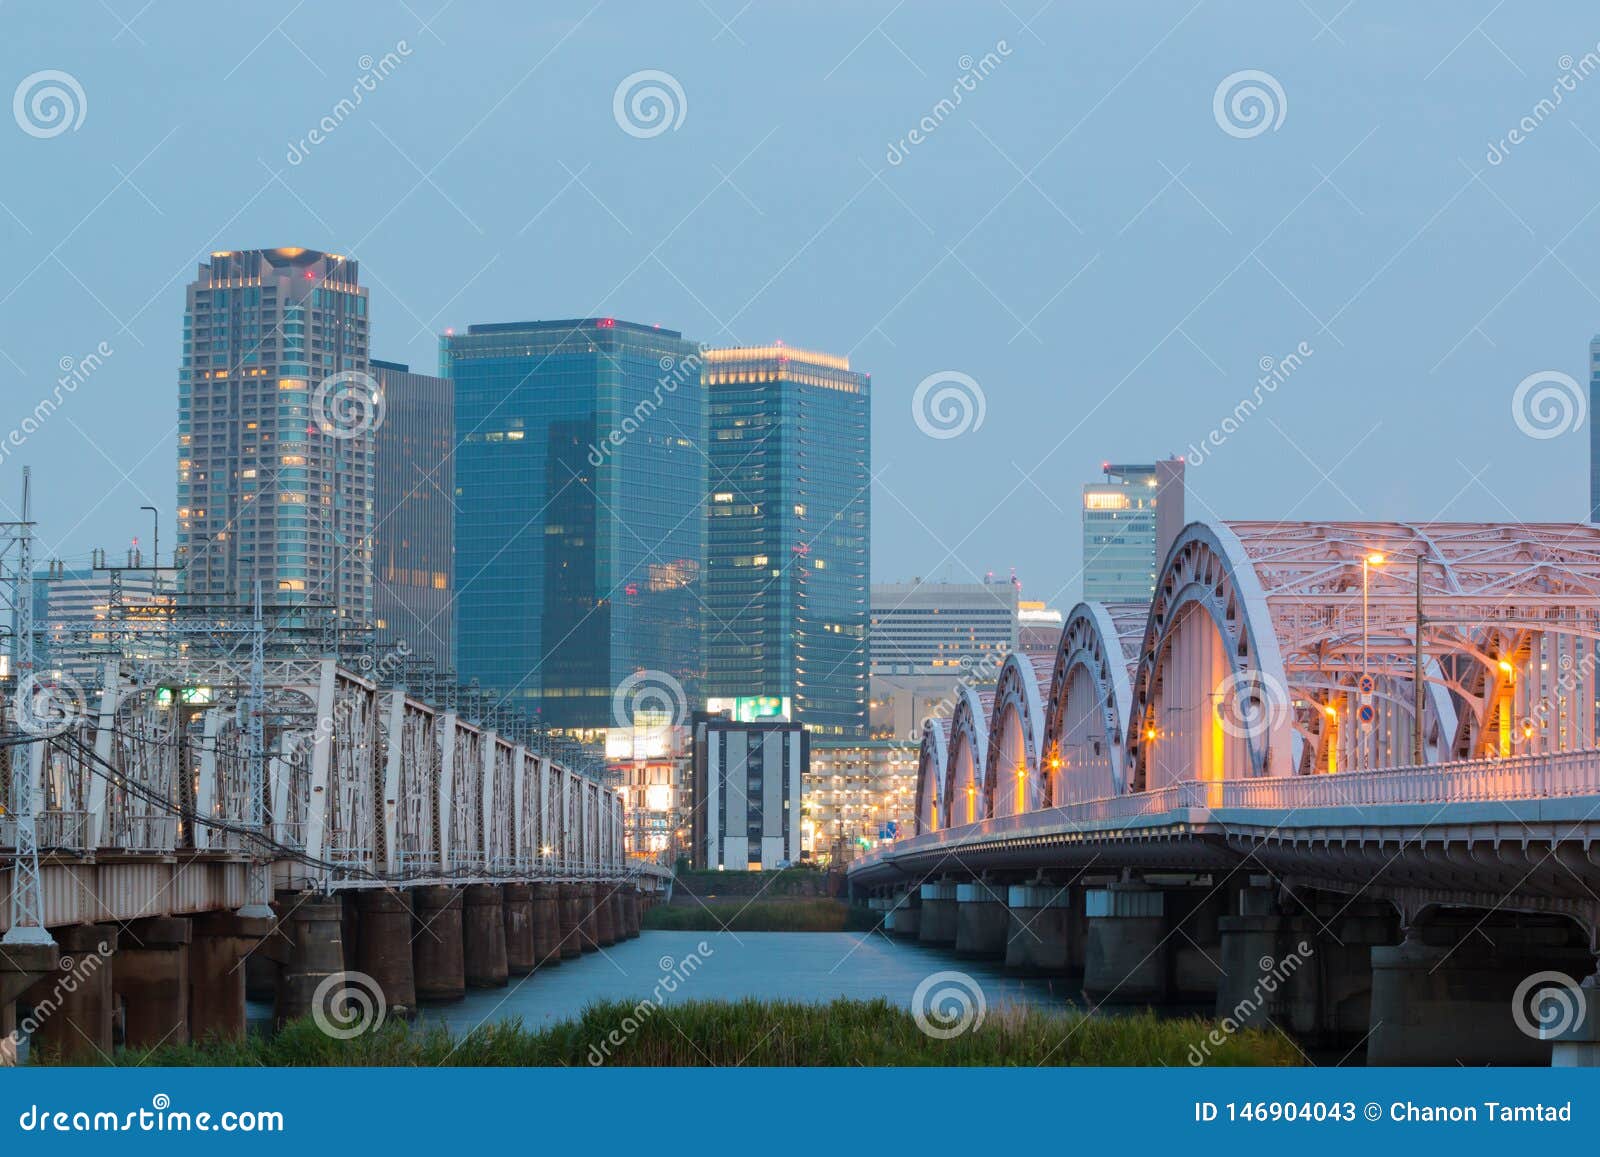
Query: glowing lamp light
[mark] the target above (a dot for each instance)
(1506, 668)
(1331, 711)
(1376, 559)
(1150, 734)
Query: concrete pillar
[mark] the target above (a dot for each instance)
(635, 906)
(21, 966)
(938, 913)
(1576, 1044)
(521, 957)
(70, 1009)
(605, 919)
(1126, 960)
(1452, 1002)
(619, 914)
(907, 916)
(314, 925)
(546, 924)
(383, 947)
(1195, 942)
(220, 946)
(151, 982)
(1039, 929)
(981, 919)
(1330, 988)
(484, 937)
(570, 910)
(589, 920)
(437, 958)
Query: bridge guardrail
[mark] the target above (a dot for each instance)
(1559, 775)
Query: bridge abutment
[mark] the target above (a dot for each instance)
(151, 982)
(938, 925)
(383, 947)
(437, 950)
(907, 923)
(484, 937)
(1126, 959)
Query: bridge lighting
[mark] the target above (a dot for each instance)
(1507, 668)
(1150, 734)
(1376, 558)
(1331, 711)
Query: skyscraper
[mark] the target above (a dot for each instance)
(412, 531)
(580, 492)
(1124, 536)
(275, 420)
(788, 530)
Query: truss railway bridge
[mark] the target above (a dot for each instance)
(172, 863)
(1344, 776)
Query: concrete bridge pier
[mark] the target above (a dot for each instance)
(570, 909)
(588, 919)
(1578, 1046)
(1330, 986)
(71, 1007)
(484, 937)
(220, 946)
(151, 982)
(938, 924)
(383, 947)
(546, 908)
(1126, 958)
(521, 958)
(982, 919)
(1251, 991)
(1444, 995)
(605, 919)
(314, 926)
(633, 906)
(21, 966)
(437, 949)
(907, 922)
(1041, 931)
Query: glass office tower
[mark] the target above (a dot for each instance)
(411, 534)
(580, 496)
(787, 534)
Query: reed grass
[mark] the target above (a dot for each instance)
(813, 915)
(755, 1033)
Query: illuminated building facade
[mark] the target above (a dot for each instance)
(1123, 528)
(857, 795)
(580, 491)
(412, 533)
(274, 485)
(747, 781)
(787, 574)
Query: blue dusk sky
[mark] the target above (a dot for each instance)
(1079, 217)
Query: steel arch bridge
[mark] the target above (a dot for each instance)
(1288, 649)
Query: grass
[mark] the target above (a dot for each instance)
(755, 1033)
(814, 915)
(779, 882)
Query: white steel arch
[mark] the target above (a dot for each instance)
(1089, 700)
(933, 760)
(969, 756)
(1012, 783)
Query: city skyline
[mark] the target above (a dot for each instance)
(1392, 159)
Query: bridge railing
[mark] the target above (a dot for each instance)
(1569, 773)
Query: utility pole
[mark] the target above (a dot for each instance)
(27, 760)
(255, 815)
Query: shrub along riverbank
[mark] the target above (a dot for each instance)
(814, 915)
(757, 1033)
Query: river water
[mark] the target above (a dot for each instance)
(802, 966)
